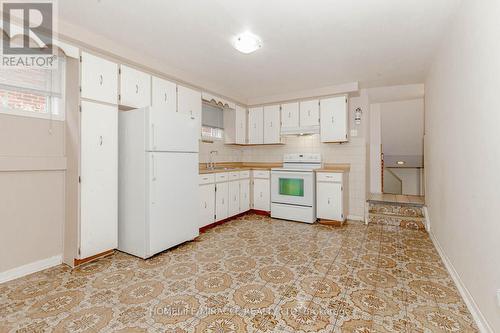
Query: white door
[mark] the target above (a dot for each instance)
(163, 120)
(241, 125)
(334, 119)
(244, 195)
(329, 201)
(99, 79)
(99, 179)
(135, 88)
(309, 113)
(207, 204)
(256, 126)
(234, 198)
(261, 197)
(290, 115)
(173, 199)
(221, 201)
(189, 109)
(272, 124)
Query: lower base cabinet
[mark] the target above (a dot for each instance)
(234, 197)
(221, 201)
(261, 190)
(207, 204)
(331, 196)
(244, 195)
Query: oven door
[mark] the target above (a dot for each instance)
(292, 187)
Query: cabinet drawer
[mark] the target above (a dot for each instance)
(244, 174)
(222, 177)
(329, 177)
(264, 174)
(206, 179)
(234, 175)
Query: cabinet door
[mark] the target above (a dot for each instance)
(99, 79)
(309, 113)
(290, 115)
(163, 119)
(221, 201)
(207, 204)
(329, 201)
(99, 179)
(334, 119)
(256, 126)
(241, 125)
(234, 198)
(189, 109)
(135, 88)
(261, 195)
(272, 124)
(244, 195)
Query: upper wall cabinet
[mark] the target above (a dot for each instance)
(334, 119)
(162, 119)
(309, 113)
(256, 125)
(189, 108)
(272, 124)
(235, 125)
(135, 88)
(99, 79)
(290, 115)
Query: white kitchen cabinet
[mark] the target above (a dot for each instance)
(261, 190)
(334, 119)
(233, 198)
(309, 113)
(189, 110)
(135, 88)
(256, 125)
(221, 201)
(272, 124)
(162, 116)
(207, 204)
(244, 195)
(241, 125)
(290, 115)
(99, 79)
(99, 179)
(332, 196)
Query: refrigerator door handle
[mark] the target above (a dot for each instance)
(153, 167)
(153, 144)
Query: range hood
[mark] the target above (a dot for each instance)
(301, 130)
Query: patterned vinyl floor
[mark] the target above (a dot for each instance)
(253, 274)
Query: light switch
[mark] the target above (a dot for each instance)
(354, 132)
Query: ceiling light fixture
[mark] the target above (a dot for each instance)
(247, 42)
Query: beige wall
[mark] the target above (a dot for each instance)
(462, 152)
(32, 200)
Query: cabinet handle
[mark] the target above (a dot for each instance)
(328, 200)
(222, 200)
(100, 140)
(191, 112)
(289, 114)
(101, 79)
(332, 119)
(165, 97)
(136, 89)
(308, 113)
(261, 194)
(271, 124)
(205, 204)
(254, 125)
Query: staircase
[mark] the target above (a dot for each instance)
(405, 215)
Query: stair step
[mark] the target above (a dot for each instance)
(396, 210)
(408, 222)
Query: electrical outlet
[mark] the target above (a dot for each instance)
(354, 132)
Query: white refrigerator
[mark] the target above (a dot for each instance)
(158, 183)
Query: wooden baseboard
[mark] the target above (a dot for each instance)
(78, 262)
(260, 212)
(331, 222)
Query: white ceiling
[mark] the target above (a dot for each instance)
(307, 44)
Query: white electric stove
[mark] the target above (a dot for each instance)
(293, 188)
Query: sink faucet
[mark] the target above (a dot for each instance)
(211, 163)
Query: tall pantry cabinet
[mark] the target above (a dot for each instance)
(92, 159)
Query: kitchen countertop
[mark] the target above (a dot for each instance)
(230, 167)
